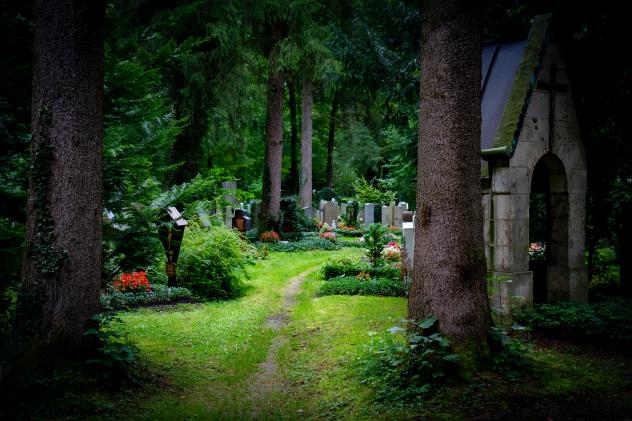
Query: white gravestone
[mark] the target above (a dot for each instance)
(387, 215)
(330, 212)
(397, 216)
(369, 214)
(408, 233)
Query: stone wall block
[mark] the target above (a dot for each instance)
(557, 283)
(520, 244)
(502, 258)
(534, 130)
(520, 206)
(561, 76)
(578, 283)
(502, 232)
(511, 180)
(527, 154)
(486, 202)
(577, 181)
(570, 156)
(559, 254)
(502, 206)
(538, 106)
(511, 290)
(564, 107)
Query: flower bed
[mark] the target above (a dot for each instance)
(157, 294)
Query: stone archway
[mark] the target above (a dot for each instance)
(549, 228)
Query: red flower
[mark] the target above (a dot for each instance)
(135, 281)
(270, 237)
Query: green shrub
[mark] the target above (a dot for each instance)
(375, 242)
(366, 192)
(293, 221)
(349, 285)
(345, 267)
(117, 356)
(350, 243)
(213, 261)
(608, 322)
(252, 235)
(508, 352)
(160, 294)
(340, 266)
(349, 233)
(325, 194)
(304, 245)
(402, 369)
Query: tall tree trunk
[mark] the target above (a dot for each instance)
(294, 183)
(306, 143)
(449, 264)
(330, 141)
(61, 272)
(271, 200)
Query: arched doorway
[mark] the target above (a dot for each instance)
(548, 230)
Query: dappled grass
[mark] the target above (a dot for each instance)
(327, 333)
(206, 351)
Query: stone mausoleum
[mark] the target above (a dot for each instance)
(534, 172)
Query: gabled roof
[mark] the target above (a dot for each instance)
(509, 74)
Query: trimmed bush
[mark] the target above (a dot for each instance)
(304, 245)
(349, 285)
(213, 262)
(348, 232)
(345, 267)
(350, 243)
(159, 294)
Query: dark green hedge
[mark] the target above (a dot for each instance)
(160, 294)
(349, 285)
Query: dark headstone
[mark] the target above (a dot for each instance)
(352, 212)
(171, 230)
(239, 221)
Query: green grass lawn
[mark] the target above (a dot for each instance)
(207, 351)
(327, 334)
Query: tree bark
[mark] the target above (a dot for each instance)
(330, 141)
(306, 143)
(449, 264)
(61, 271)
(271, 200)
(293, 176)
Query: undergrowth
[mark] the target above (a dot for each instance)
(607, 323)
(405, 366)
